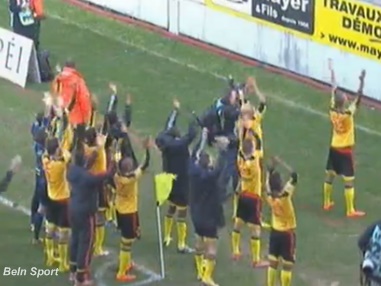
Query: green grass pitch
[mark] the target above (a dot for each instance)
(154, 70)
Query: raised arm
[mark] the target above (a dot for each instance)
(332, 79)
(147, 144)
(66, 134)
(112, 104)
(293, 174)
(128, 111)
(253, 86)
(360, 91)
(172, 118)
(257, 139)
(125, 147)
(48, 110)
(199, 147)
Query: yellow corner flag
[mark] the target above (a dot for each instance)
(163, 186)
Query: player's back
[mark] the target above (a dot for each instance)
(55, 173)
(250, 173)
(343, 133)
(126, 191)
(283, 212)
(100, 163)
(176, 159)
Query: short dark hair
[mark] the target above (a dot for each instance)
(174, 132)
(40, 117)
(204, 159)
(339, 98)
(70, 63)
(52, 144)
(126, 164)
(91, 136)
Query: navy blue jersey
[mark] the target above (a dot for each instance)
(39, 151)
(175, 148)
(205, 203)
(38, 125)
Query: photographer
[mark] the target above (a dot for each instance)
(22, 19)
(369, 244)
(39, 15)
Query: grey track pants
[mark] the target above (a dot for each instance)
(82, 240)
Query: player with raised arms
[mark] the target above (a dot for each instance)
(282, 244)
(174, 148)
(126, 182)
(55, 162)
(249, 202)
(340, 156)
(206, 208)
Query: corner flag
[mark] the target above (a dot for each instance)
(163, 186)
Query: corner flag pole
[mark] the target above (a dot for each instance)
(160, 239)
(162, 183)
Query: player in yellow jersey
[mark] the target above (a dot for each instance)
(55, 163)
(252, 117)
(126, 203)
(97, 165)
(282, 244)
(249, 200)
(340, 157)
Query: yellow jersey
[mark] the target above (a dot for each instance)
(256, 121)
(250, 174)
(100, 163)
(255, 126)
(343, 126)
(55, 173)
(126, 191)
(67, 138)
(283, 216)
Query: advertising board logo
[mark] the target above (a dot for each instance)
(297, 15)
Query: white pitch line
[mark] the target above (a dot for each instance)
(100, 271)
(279, 99)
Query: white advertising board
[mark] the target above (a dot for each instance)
(226, 24)
(243, 6)
(17, 56)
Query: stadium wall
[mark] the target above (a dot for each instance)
(302, 52)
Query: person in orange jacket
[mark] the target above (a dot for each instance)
(70, 87)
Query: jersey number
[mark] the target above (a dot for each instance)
(338, 125)
(277, 209)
